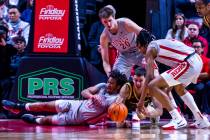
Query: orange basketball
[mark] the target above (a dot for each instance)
(117, 112)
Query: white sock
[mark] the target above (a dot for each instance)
(38, 120)
(27, 106)
(175, 114)
(190, 102)
(174, 103)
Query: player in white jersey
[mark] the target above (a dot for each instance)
(74, 112)
(185, 66)
(119, 33)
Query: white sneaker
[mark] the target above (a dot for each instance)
(201, 124)
(175, 124)
(135, 116)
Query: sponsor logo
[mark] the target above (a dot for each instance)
(50, 41)
(49, 83)
(51, 13)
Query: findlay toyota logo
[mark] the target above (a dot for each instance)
(50, 41)
(51, 13)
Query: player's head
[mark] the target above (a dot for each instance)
(115, 81)
(139, 77)
(143, 39)
(202, 7)
(198, 46)
(107, 17)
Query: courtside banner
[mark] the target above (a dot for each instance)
(51, 26)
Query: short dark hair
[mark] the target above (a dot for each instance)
(139, 71)
(13, 6)
(144, 38)
(198, 40)
(16, 39)
(120, 77)
(107, 11)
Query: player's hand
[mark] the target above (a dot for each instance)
(140, 114)
(96, 100)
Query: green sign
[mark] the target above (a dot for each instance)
(49, 84)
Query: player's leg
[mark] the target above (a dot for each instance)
(188, 73)
(58, 119)
(155, 110)
(201, 120)
(157, 87)
(36, 107)
(42, 120)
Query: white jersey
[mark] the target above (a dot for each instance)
(90, 110)
(125, 43)
(123, 40)
(80, 111)
(171, 52)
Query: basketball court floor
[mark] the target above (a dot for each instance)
(19, 130)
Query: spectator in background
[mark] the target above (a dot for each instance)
(27, 13)
(93, 42)
(20, 45)
(6, 52)
(17, 27)
(3, 10)
(203, 10)
(178, 30)
(188, 9)
(193, 33)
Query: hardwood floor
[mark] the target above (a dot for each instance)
(19, 130)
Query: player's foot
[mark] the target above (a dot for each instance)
(29, 118)
(13, 107)
(175, 124)
(135, 117)
(201, 124)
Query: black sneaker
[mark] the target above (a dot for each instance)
(15, 108)
(29, 118)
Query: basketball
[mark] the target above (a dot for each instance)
(117, 112)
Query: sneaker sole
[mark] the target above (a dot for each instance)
(15, 111)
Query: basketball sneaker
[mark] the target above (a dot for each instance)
(29, 118)
(175, 124)
(15, 108)
(201, 124)
(135, 116)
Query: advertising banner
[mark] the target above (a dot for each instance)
(51, 26)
